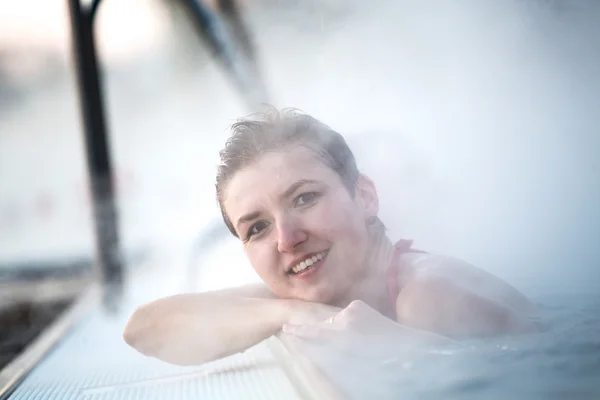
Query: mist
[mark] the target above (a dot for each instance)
(478, 122)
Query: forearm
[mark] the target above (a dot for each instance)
(196, 328)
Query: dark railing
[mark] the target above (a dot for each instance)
(97, 148)
(224, 32)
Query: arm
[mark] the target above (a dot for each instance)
(360, 331)
(441, 305)
(196, 328)
(255, 290)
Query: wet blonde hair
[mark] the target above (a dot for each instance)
(275, 129)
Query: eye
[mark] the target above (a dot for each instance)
(306, 198)
(256, 228)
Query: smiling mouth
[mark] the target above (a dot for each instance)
(309, 263)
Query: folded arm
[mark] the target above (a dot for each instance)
(190, 329)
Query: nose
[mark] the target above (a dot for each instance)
(289, 235)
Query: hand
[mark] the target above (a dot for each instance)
(361, 352)
(309, 313)
(361, 331)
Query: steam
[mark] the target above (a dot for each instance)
(479, 123)
(487, 115)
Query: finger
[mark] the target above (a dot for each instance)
(357, 305)
(359, 310)
(336, 323)
(329, 340)
(323, 332)
(346, 317)
(305, 331)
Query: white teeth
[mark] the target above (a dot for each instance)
(308, 262)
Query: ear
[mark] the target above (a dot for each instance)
(367, 195)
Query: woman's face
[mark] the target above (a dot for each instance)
(303, 232)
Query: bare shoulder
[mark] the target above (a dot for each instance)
(435, 270)
(437, 304)
(456, 299)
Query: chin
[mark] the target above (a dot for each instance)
(325, 295)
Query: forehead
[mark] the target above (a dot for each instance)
(271, 175)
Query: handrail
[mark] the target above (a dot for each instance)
(222, 41)
(109, 263)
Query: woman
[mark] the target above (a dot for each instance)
(289, 189)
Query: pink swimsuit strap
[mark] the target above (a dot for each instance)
(403, 246)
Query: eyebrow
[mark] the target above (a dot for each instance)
(287, 193)
(247, 218)
(295, 186)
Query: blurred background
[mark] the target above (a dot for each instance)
(478, 122)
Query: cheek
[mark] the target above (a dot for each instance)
(259, 259)
(340, 218)
(264, 262)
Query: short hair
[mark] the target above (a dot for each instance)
(275, 129)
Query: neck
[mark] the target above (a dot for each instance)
(372, 288)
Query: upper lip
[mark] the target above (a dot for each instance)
(299, 259)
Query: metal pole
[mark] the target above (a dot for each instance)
(109, 263)
(224, 44)
(230, 9)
